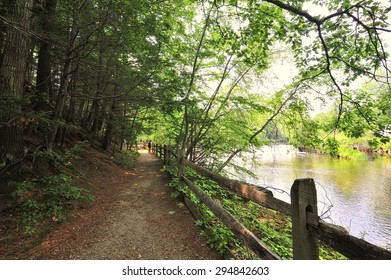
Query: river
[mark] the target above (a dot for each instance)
(355, 194)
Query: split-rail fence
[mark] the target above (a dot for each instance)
(307, 228)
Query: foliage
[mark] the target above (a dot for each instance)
(191, 72)
(300, 129)
(331, 146)
(72, 153)
(362, 124)
(45, 199)
(125, 159)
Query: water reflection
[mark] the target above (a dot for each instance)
(358, 192)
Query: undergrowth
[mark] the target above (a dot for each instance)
(49, 197)
(45, 196)
(271, 227)
(125, 159)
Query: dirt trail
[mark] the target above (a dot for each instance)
(146, 222)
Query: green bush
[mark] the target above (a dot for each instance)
(50, 197)
(125, 160)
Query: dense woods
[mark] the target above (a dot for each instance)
(86, 63)
(191, 72)
(197, 75)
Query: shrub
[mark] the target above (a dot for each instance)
(50, 197)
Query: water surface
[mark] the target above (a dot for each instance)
(355, 194)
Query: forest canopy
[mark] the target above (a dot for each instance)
(192, 74)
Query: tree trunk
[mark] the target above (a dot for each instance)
(82, 107)
(43, 84)
(13, 65)
(110, 128)
(63, 132)
(97, 104)
(59, 102)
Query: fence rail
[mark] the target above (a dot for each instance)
(307, 228)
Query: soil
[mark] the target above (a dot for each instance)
(133, 216)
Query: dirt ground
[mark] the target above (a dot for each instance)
(134, 216)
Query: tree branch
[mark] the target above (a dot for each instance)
(296, 11)
(276, 113)
(328, 62)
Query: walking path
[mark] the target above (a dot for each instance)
(147, 223)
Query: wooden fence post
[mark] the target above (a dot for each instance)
(165, 154)
(168, 155)
(303, 207)
(156, 150)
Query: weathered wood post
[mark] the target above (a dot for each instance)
(168, 155)
(156, 150)
(160, 152)
(165, 154)
(303, 208)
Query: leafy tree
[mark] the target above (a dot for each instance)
(102, 63)
(365, 117)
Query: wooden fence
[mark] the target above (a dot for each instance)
(307, 228)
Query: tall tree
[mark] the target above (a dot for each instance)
(13, 62)
(44, 67)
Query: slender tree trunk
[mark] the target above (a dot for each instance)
(123, 128)
(13, 65)
(110, 127)
(96, 107)
(71, 110)
(135, 114)
(82, 107)
(59, 102)
(186, 118)
(80, 111)
(43, 82)
(97, 104)
(63, 132)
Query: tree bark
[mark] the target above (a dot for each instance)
(110, 127)
(13, 65)
(59, 102)
(43, 82)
